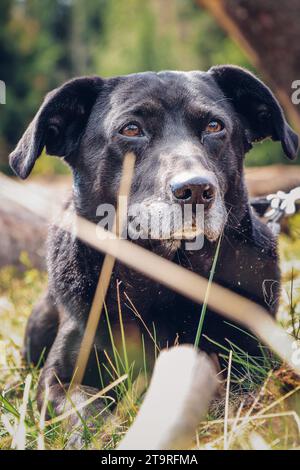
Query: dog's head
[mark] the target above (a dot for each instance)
(188, 130)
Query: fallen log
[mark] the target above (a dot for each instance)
(270, 179)
(21, 231)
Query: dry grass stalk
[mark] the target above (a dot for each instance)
(104, 278)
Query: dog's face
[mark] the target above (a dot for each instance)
(188, 130)
(181, 129)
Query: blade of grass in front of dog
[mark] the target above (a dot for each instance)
(41, 359)
(293, 314)
(111, 336)
(155, 341)
(121, 390)
(9, 407)
(123, 335)
(133, 308)
(269, 362)
(41, 435)
(19, 439)
(145, 361)
(238, 358)
(253, 359)
(100, 372)
(204, 306)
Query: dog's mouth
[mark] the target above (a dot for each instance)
(188, 233)
(164, 222)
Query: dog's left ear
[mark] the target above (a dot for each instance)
(58, 125)
(257, 106)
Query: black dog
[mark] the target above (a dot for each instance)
(189, 132)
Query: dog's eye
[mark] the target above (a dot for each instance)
(214, 126)
(132, 130)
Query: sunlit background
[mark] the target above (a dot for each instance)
(44, 43)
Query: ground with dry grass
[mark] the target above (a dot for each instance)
(264, 417)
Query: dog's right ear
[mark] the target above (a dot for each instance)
(58, 125)
(255, 103)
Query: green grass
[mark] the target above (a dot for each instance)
(267, 415)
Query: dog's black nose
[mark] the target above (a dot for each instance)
(195, 190)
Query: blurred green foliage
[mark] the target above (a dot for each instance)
(43, 43)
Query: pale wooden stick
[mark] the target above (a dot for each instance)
(222, 300)
(183, 383)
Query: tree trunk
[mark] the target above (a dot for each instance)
(269, 31)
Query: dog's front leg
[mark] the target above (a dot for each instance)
(55, 383)
(41, 330)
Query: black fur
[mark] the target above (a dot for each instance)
(81, 122)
